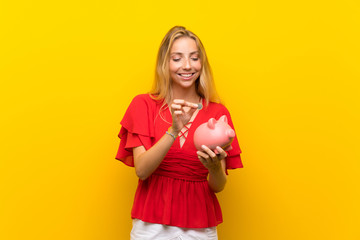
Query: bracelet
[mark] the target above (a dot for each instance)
(167, 132)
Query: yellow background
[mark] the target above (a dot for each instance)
(288, 71)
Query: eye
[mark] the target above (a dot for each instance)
(195, 59)
(176, 59)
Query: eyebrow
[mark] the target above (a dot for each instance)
(180, 53)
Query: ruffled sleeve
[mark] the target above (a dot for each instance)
(233, 160)
(137, 128)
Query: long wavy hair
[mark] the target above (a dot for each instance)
(204, 85)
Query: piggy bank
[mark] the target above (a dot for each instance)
(214, 133)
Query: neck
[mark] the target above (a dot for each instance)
(188, 94)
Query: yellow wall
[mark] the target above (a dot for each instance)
(287, 70)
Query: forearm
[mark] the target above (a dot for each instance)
(147, 161)
(217, 178)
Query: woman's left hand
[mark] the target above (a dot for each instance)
(211, 160)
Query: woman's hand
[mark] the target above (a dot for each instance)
(211, 160)
(216, 165)
(182, 112)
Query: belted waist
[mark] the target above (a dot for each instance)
(182, 165)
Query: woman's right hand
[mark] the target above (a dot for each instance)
(182, 112)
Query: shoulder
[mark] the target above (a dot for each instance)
(144, 105)
(141, 108)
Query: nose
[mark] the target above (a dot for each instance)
(187, 64)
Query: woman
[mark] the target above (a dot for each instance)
(175, 197)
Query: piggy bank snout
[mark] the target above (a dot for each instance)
(230, 133)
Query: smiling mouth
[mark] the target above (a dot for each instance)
(186, 74)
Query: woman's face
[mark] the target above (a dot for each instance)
(185, 64)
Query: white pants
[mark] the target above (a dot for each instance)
(153, 231)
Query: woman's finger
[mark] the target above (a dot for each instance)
(192, 105)
(179, 101)
(191, 111)
(221, 153)
(175, 106)
(203, 155)
(204, 158)
(208, 151)
(185, 103)
(178, 112)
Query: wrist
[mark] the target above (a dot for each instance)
(216, 169)
(173, 131)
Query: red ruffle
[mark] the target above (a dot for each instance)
(137, 128)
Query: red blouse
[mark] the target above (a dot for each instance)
(177, 193)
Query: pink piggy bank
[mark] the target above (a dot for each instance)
(214, 133)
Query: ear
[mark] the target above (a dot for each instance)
(211, 123)
(223, 118)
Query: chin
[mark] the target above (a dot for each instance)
(186, 84)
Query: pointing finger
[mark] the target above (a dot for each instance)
(176, 106)
(185, 103)
(192, 105)
(179, 101)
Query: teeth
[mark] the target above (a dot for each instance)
(186, 75)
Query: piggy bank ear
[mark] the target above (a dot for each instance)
(211, 123)
(223, 118)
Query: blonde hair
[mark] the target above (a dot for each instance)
(204, 85)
